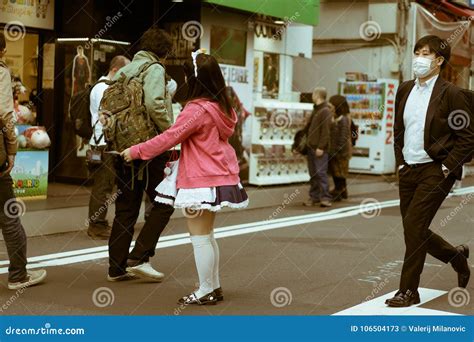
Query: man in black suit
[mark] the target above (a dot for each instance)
(434, 137)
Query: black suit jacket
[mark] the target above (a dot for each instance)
(449, 125)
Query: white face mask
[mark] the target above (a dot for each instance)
(422, 66)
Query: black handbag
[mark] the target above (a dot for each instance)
(300, 143)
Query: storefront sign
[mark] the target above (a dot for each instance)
(182, 46)
(27, 13)
(235, 75)
(390, 108)
(265, 30)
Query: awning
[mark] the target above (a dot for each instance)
(457, 33)
(300, 11)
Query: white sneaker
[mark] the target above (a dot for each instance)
(32, 278)
(146, 271)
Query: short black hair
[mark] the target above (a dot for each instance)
(438, 46)
(3, 43)
(156, 40)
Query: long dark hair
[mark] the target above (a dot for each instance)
(209, 83)
(340, 105)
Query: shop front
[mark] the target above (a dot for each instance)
(26, 25)
(256, 53)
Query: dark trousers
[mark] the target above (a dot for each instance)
(131, 183)
(422, 190)
(103, 176)
(318, 172)
(340, 187)
(12, 230)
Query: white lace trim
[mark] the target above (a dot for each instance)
(206, 206)
(194, 198)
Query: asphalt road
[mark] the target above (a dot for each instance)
(304, 261)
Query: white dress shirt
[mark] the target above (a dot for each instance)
(95, 97)
(414, 117)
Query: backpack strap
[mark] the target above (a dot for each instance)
(141, 70)
(97, 82)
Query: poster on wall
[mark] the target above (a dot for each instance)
(20, 14)
(229, 46)
(271, 70)
(30, 174)
(48, 66)
(81, 77)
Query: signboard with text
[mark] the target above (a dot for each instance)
(27, 13)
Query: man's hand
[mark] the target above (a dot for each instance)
(103, 117)
(11, 163)
(126, 155)
(319, 153)
(445, 171)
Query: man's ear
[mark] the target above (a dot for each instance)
(440, 61)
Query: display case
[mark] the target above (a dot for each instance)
(372, 106)
(274, 125)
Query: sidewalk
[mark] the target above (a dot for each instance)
(66, 208)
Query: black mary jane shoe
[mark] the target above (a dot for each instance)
(404, 299)
(209, 299)
(219, 294)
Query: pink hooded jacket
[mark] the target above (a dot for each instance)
(207, 159)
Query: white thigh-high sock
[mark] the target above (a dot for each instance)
(204, 258)
(215, 273)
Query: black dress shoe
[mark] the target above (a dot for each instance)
(209, 299)
(404, 299)
(461, 265)
(219, 294)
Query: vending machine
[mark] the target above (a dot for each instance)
(274, 125)
(372, 106)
